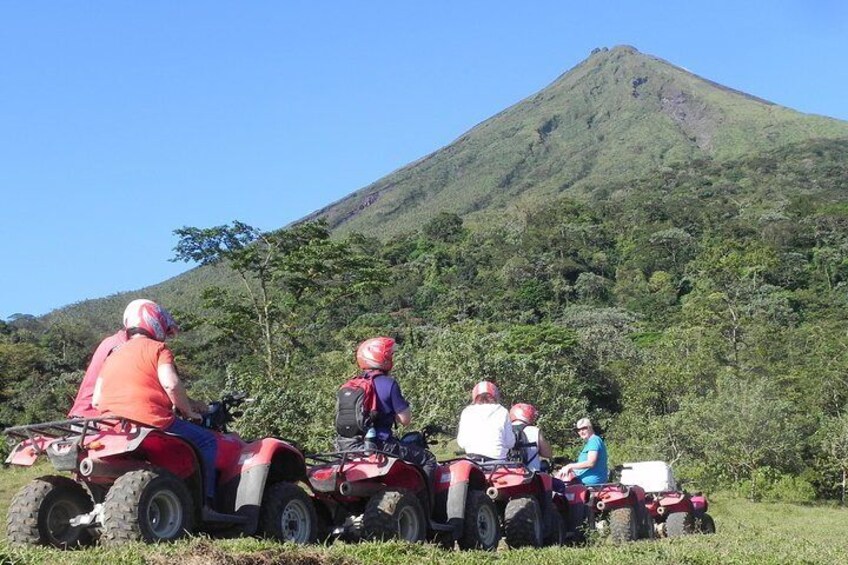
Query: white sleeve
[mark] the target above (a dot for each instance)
(508, 434)
(461, 433)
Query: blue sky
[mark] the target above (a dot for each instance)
(123, 121)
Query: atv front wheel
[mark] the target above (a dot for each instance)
(288, 514)
(557, 533)
(646, 524)
(149, 506)
(40, 513)
(523, 523)
(679, 524)
(394, 514)
(705, 524)
(481, 528)
(622, 524)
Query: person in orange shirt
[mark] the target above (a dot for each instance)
(82, 407)
(139, 382)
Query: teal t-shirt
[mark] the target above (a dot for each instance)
(598, 473)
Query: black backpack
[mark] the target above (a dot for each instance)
(356, 406)
(521, 443)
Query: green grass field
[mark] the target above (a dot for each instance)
(747, 533)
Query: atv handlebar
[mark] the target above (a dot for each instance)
(433, 429)
(220, 412)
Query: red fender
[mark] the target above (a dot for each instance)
(268, 452)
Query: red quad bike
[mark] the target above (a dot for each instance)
(532, 516)
(674, 512)
(131, 482)
(574, 502)
(617, 508)
(372, 494)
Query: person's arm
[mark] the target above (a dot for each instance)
(544, 447)
(95, 397)
(175, 390)
(461, 433)
(404, 417)
(591, 459)
(508, 435)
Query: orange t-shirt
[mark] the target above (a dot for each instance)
(130, 386)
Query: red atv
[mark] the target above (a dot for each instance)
(132, 482)
(618, 508)
(532, 516)
(372, 494)
(575, 504)
(674, 512)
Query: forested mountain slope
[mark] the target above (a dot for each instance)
(619, 115)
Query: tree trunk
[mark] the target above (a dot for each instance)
(844, 473)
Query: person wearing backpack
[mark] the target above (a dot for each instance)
(370, 404)
(527, 434)
(484, 426)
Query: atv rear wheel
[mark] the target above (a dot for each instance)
(149, 506)
(679, 524)
(622, 524)
(288, 514)
(481, 528)
(40, 513)
(705, 524)
(394, 514)
(523, 522)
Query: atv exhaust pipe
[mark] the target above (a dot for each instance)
(492, 492)
(96, 469)
(600, 505)
(347, 488)
(661, 510)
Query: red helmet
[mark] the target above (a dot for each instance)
(148, 316)
(376, 353)
(485, 387)
(523, 412)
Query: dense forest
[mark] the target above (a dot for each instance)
(698, 314)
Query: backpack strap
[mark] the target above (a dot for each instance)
(521, 439)
(370, 375)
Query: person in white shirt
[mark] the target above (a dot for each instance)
(484, 426)
(523, 418)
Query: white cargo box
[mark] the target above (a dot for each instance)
(653, 476)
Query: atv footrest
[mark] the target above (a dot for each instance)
(209, 515)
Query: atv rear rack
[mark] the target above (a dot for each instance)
(343, 457)
(62, 429)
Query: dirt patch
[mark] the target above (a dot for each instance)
(205, 553)
(691, 116)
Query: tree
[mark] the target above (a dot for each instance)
(743, 426)
(285, 276)
(836, 444)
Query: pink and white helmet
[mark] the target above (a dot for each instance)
(485, 387)
(151, 318)
(522, 412)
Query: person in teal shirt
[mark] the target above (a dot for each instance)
(591, 466)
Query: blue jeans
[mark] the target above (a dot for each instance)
(205, 442)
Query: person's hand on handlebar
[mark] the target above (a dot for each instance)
(198, 406)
